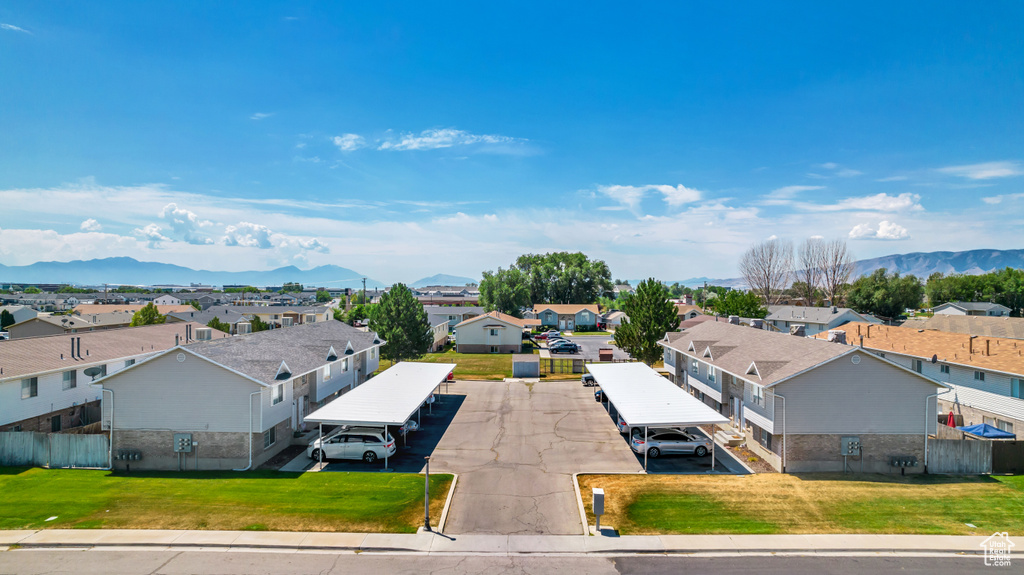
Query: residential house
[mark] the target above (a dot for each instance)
(687, 311)
(239, 398)
(814, 319)
(985, 374)
(225, 315)
(612, 319)
(1007, 327)
(454, 315)
(167, 299)
(86, 310)
(45, 381)
(622, 289)
(438, 335)
(568, 317)
(979, 308)
(796, 398)
(20, 313)
(492, 332)
(60, 324)
(278, 316)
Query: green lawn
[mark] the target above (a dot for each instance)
(256, 500)
(818, 503)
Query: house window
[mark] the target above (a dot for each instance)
(69, 380)
(15, 428)
(757, 395)
(711, 374)
(917, 365)
(29, 387)
(129, 362)
(327, 372)
(1017, 388)
(979, 375)
(585, 316)
(881, 355)
(494, 332)
(269, 437)
(55, 423)
(694, 368)
(764, 438)
(1005, 426)
(494, 349)
(944, 369)
(277, 394)
(344, 365)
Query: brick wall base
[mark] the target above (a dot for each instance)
(70, 417)
(217, 451)
(478, 348)
(820, 453)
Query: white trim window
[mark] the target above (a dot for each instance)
(327, 372)
(69, 380)
(129, 362)
(944, 369)
(1017, 388)
(277, 394)
(979, 375)
(694, 367)
(494, 332)
(269, 437)
(711, 374)
(344, 365)
(757, 395)
(917, 365)
(494, 349)
(30, 387)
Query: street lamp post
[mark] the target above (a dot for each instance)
(426, 496)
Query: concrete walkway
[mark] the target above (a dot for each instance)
(490, 544)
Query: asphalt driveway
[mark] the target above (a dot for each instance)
(515, 447)
(589, 346)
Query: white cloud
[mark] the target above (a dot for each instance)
(13, 28)
(442, 138)
(836, 170)
(985, 171)
(186, 224)
(830, 165)
(248, 234)
(893, 179)
(992, 200)
(628, 196)
(348, 142)
(884, 230)
(783, 196)
(877, 202)
(631, 196)
(261, 115)
(91, 225)
(678, 195)
(848, 173)
(152, 234)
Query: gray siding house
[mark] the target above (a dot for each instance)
(814, 319)
(794, 398)
(239, 398)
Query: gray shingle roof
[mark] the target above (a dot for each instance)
(819, 315)
(777, 356)
(302, 347)
(974, 305)
(204, 317)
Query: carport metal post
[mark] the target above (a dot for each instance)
(712, 449)
(385, 447)
(645, 449)
(320, 452)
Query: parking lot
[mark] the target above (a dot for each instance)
(589, 346)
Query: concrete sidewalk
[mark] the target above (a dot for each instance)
(491, 544)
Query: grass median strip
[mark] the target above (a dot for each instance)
(370, 502)
(812, 503)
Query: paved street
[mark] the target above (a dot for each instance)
(147, 562)
(515, 447)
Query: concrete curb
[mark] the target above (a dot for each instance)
(447, 503)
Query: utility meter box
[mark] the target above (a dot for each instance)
(850, 446)
(183, 443)
(598, 501)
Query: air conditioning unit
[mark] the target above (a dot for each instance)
(204, 334)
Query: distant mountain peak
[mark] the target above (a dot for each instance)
(443, 280)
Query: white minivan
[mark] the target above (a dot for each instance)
(366, 443)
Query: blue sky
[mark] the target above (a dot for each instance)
(408, 139)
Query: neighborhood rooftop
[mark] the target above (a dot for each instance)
(565, 308)
(1004, 326)
(757, 355)
(798, 313)
(993, 353)
(302, 348)
(503, 317)
(33, 355)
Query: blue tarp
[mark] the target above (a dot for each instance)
(986, 430)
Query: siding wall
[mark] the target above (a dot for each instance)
(193, 395)
(476, 338)
(841, 397)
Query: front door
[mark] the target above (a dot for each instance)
(561, 324)
(568, 324)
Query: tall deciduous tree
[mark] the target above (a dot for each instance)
(809, 270)
(148, 315)
(767, 268)
(401, 320)
(195, 304)
(256, 324)
(741, 303)
(836, 269)
(223, 326)
(564, 277)
(651, 315)
(885, 295)
(323, 296)
(505, 291)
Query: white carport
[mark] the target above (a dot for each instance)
(645, 399)
(389, 399)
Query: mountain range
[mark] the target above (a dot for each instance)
(920, 264)
(443, 280)
(129, 271)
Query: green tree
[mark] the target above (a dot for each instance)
(195, 303)
(359, 312)
(885, 295)
(505, 291)
(33, 289)
(223, 326)
(148, 315)
(322, 296)
(292, 287)
(1005, 287)
(6, 319)
(258, 324)
(741, 303)
(401, 320)
(564, 277)
(651, 315)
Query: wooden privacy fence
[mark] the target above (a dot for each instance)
(959, 456)
(31, 448)
(1008, 457)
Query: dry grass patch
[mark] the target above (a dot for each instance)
(812, 503)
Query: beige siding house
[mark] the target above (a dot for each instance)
(239, 398)
(793, 399)
(493, 332)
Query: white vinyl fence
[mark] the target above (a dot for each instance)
(30, 448)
